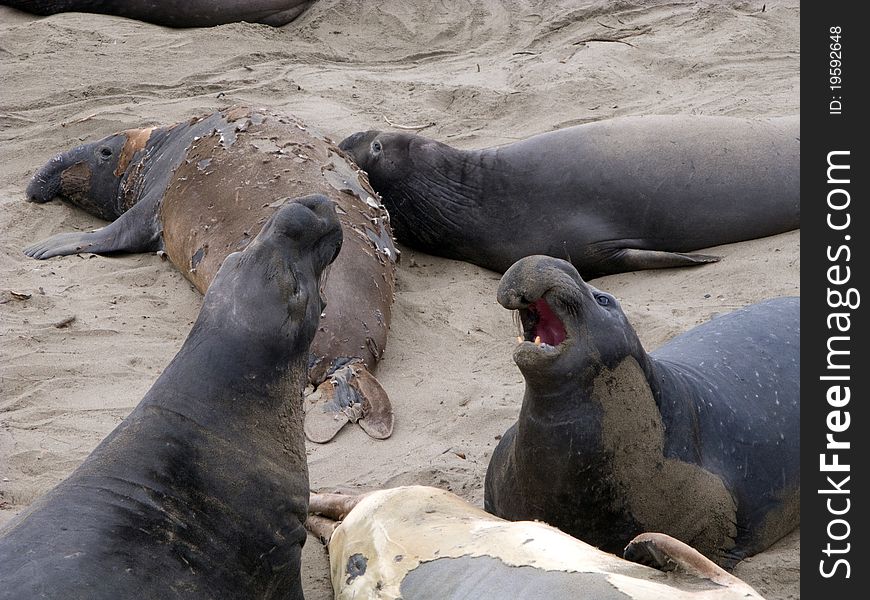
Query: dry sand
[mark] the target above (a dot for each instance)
(482, 72)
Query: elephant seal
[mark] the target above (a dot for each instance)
(191, 13)
(611, 196)
(202, 491)
(699, 439)
(424, 543)
(202, 189)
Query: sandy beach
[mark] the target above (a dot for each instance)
(82, 338)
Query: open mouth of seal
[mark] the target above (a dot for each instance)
(541, 326)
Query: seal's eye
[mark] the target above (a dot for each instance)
(376, 147)
(602, 300)
(105, 152)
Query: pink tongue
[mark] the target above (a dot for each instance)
(549, 327)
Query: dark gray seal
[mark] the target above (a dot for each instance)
(201, 189)
(202, 491)
(617, 195)
(699, 439)
(171, 13)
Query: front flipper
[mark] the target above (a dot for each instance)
(350, 394)
(665, 553)
(134, 231)
(633, 259)
(326, 511)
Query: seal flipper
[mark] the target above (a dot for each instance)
(134, 231)
(326, 511)
(635, 259)
(352, 394)
(377, 420)
(327, 411)
(666, 553)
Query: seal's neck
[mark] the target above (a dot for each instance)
(134, 183)
(434, 207)
(153, 167)
(598, 387)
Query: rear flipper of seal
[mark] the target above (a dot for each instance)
(665, 553)
(618, 260)
(349, 395)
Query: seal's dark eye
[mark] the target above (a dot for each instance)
(376, 147)
(105, 152)
(602, 300)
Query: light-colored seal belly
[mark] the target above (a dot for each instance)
(420, 543)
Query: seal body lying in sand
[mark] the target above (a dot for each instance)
(202, 189)
(617, 195)
(699, 439)
(202, 491)
(424, 543)
(190, 13)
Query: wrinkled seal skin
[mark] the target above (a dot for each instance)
(617, 195)
(202, 189)
(202, 491)
(189, 13)
(698, 439)
(421, 543)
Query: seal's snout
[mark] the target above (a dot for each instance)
(42, 188)
(307, 224)
(352, 141)
(543, 291)
(358, 145)
(308, 218)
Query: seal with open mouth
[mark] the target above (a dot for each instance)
(202, 491)
(698, 439)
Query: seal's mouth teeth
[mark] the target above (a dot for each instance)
(541, 325)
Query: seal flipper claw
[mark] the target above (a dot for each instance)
(377, 420)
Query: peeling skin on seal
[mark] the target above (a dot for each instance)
(235, 121)
(426, 525)
(344, 177)
(197, 256)
(465, 576)
(136, 140)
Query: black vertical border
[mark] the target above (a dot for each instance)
(821, 133)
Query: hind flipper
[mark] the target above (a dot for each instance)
(665, 553)
(350, 394)
(633, 259)
(326, 411)
(377, 420)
